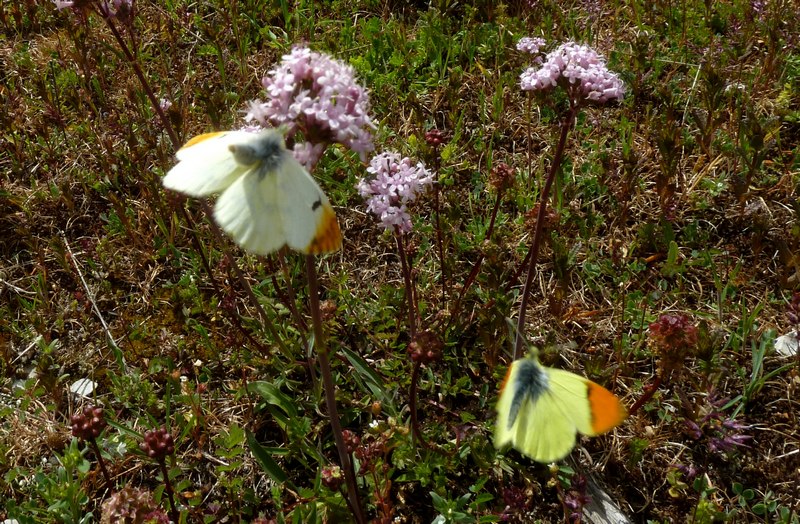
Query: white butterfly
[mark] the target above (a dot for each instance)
(268, 199)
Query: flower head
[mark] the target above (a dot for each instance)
(580, 70)
(674, 336)
(88, 423)
(319, 96)
(723, 434)
(110, 9)
(158, 443)
(394, 183)
(128, 505)
(530, 45)
(577, 497)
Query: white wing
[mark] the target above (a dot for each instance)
(206, 164)
(309, 221)
(248, 211)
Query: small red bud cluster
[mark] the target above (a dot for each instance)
(88, 423)
(425, 348)
(434, 137)
(158, 444)
(502, 177)
(351, 440)
(673, 336)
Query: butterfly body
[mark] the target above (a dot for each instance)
(541, 409)
(268, 200)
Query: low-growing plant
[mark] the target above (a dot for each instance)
(357, 381)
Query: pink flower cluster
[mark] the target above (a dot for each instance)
(394, 183)
(317, 95)
(580, 70)
(109, 9)
(530, 45)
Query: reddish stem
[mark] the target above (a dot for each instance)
(409, 284)
(413, 394)
(537, 236)
(330, 392)
(173, 509)
(647, 395)
(101, 462)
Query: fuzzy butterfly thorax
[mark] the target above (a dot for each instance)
(266, 149)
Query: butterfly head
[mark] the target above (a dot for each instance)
(267, 149)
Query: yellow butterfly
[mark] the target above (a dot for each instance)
(268, 199)
(540, 410)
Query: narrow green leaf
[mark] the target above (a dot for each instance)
(274, 396)
(366, 372)
(269, 466)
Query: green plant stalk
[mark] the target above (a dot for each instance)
(537, 236)
(437, 213)
(412, 330)
(413, 406)
(330, 392)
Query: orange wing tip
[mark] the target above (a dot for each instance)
(507, 377)
(607, 411)
(328, 237)
(202, 138)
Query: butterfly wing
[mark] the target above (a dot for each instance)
(541, 409)
(268, 199)
(527, 416)
(503, 434)
(594, 409)
(308, 219)
(249, 212)
(206, 164)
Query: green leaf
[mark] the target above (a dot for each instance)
(274, 396)
(269, 466)
(373, 380)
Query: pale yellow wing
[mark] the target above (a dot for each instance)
(540, 410)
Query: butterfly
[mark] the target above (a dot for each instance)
(540, 409)
(267, 201)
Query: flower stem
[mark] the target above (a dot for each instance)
(647, 395)
(473, 274)
(330, 392)
(101, 462)
(439, 243)
(412, 310)
(142, 80)
(413, 405)
(173, 509)
(537, 236)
